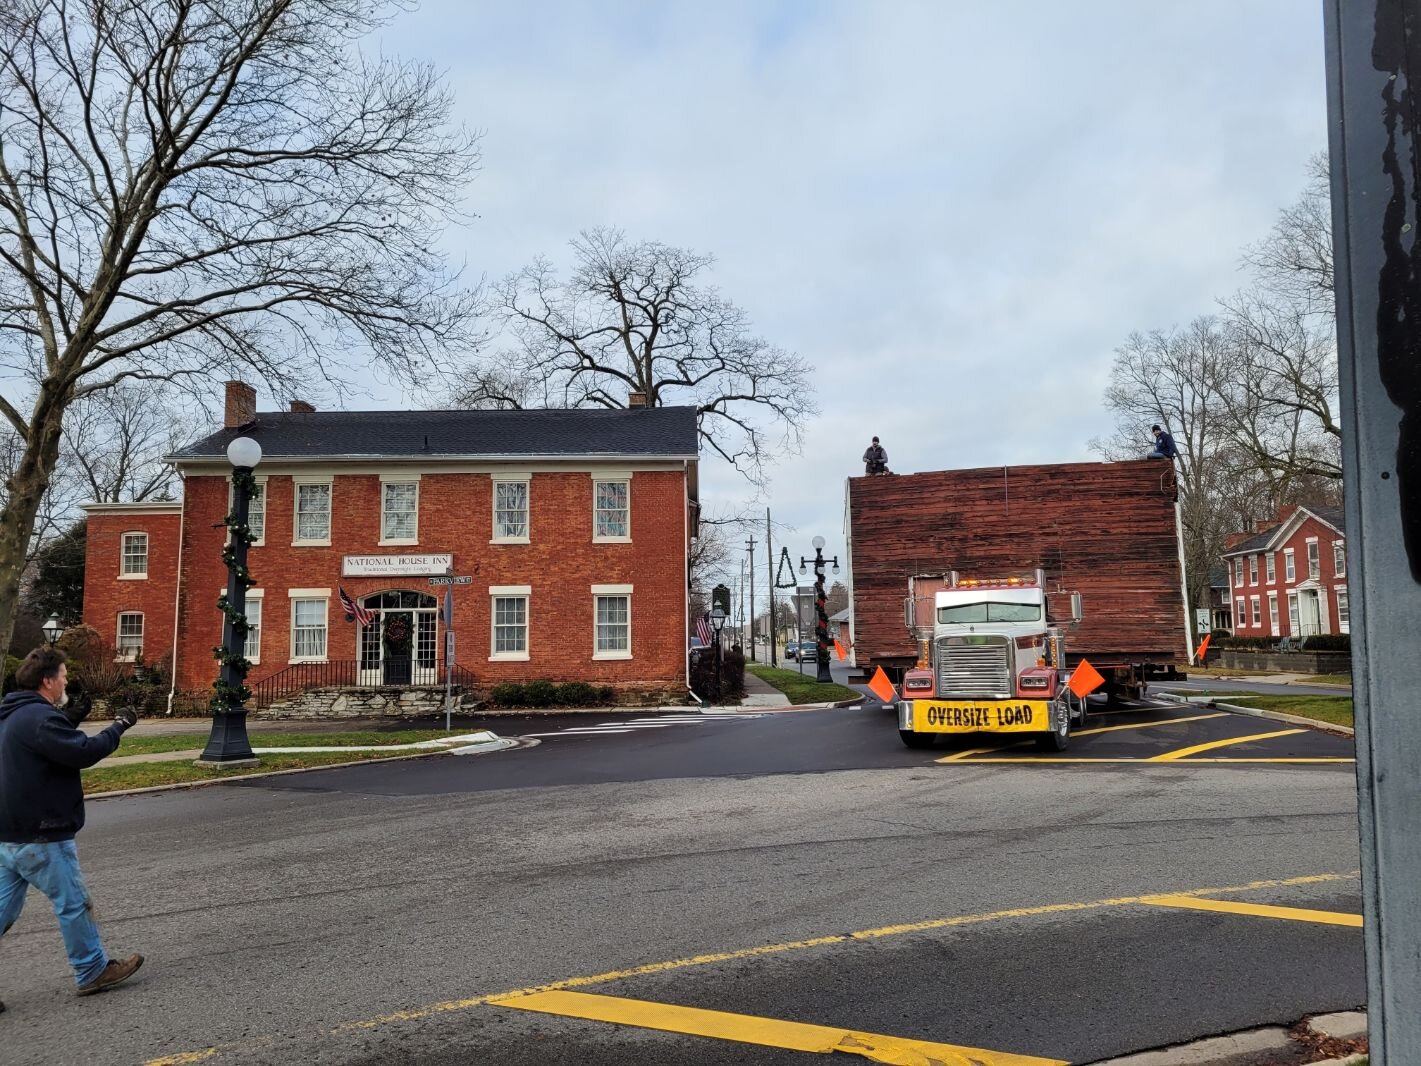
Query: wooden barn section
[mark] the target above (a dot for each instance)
(1106, 530)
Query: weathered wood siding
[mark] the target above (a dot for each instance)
(1106, 530)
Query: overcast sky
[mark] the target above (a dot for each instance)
(955, 211)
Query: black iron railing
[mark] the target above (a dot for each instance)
(347, 673)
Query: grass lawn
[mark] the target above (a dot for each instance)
(1329, 679)
(801, 688)
(141, 775)
(149, 745)
(1336, 710)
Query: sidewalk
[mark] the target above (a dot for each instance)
(760, 693)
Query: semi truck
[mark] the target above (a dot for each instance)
(980, 591)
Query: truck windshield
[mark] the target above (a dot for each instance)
(990, 612)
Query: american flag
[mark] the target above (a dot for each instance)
(353, 610)
(704, 631)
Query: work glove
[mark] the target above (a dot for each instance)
(126, 718)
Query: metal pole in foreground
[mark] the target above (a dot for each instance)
(1374, 95)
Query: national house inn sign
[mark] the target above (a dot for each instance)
(396, 565)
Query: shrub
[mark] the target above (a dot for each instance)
(606, 694)
(12, 663)
(508, 694)
(732, 677)
(1329, 642)
(576, 694)
(541, 693)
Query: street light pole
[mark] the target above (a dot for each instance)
(228, 744)
(821, 616)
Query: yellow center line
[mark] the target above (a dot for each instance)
(767, 1032)
(958, 756)
(1171, 756)
(1257, 910)
(1156, 761)
(454, 1005)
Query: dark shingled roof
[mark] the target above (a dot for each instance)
(653, 431)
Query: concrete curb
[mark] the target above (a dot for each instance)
(1245, 1046)
(1257, 712)
(513, 742)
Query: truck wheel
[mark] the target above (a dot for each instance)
(1059, 739)
(916, 740)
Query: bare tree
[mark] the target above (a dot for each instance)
(191, 187)
(1294, 261)
(632, 318)
(115, 440)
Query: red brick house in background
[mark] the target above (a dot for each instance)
(574, 525)
(1290, 579)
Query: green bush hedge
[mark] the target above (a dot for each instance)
(1320, 642)
(732, 676)
(544, 693)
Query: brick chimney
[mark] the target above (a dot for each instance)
(1233, 540)
(301, 407)
(241, 405)
(636, 399)
(1285, 513)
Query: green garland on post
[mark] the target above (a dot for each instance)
(226, 696)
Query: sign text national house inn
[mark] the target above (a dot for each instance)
(396, 565)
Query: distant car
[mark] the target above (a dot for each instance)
(803, 650)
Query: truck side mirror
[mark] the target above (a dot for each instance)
(1076, 613)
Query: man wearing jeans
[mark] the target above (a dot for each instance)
(42, 808)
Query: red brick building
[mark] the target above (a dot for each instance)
(1290, 579)
(573, 526)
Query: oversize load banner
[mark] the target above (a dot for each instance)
(395, 565)
(981, 716)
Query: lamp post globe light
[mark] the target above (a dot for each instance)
(53, 628)
(227, 744)
(821, 616)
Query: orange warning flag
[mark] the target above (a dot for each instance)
(1203, 647)
(840, 651)
(1085, 679)
(881, 687)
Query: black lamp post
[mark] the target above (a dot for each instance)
(228, 745)
(53, 629)
(821, 616)
(718, 617)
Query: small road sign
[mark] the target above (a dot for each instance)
(449, 647)
(449, 579)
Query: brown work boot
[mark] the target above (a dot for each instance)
(115, 973)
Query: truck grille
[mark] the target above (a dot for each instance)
(973, 670)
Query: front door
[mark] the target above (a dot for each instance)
(1311, 616)
(398, 647)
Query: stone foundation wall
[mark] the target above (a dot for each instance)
(367, 703)
(1287, 662)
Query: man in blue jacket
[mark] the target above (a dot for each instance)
(1164, 448)
(42, 808)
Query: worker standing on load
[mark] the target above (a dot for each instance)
(875, 459)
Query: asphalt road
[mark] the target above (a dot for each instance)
(1229, 684)
(367, 915)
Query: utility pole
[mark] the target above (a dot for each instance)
(770, 579)
(751, 543)
(1373, 97)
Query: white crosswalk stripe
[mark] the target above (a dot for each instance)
(633, 725)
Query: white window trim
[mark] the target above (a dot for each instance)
(1295, 614)
(258, 594)
(122, 553)
(1270, 568)
(311, 479)
(1275, 621)
(1238, 572)
(1242, 612)
(525, 593)
(1336, 544)
(1341, 590)
(1290, 565)
(397, 479)
(625, 477)
(118, 635)
(1307, 555)
(611, 590)
(1255, 614)
(526, 479)
(1253, 569)
(306, 594)
(261, 480)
